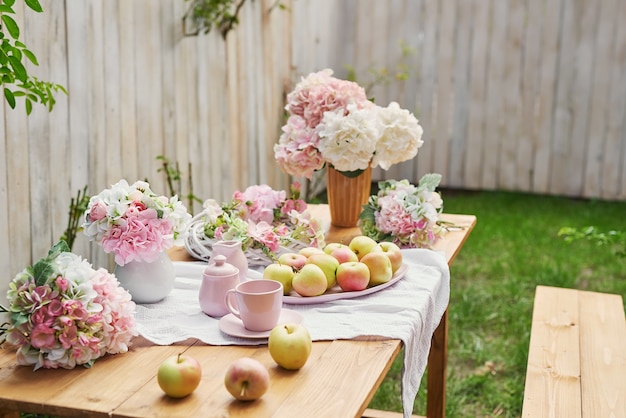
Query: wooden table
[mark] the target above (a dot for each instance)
(339, 379)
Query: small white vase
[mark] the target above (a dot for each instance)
(147, 282)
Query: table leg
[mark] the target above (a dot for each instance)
(437, 367)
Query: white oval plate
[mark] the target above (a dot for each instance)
(335, 293)
(231, 325)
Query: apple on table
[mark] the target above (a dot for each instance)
(328, 264)
(362, 245)
(246, 379)
(290, 345)
(179, 375)
(353, 276)
(310, 281)
(294, 260)
(281, 273)
(379, 266)
(394, 253)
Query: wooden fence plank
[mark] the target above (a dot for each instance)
(477, 95)
(495, 87)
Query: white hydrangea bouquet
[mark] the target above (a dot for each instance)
(332, 121)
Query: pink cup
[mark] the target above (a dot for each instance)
(259, 303)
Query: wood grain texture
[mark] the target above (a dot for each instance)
(576, 359)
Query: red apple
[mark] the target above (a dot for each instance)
(353, 275)
(328, 264)
(290, 345)
(379, 266)
(362, 245)
(294, 260)
(310, 281)
(247, 379)
(179, 375)
(344, 254)
(394, 253)
(280, 273)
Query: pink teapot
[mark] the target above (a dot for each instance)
(217, 279)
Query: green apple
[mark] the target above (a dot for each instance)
(290, 345)
(352, 276)
(328, 264)
(379, 266)
(309, 251)
(362, 245)
(179, 375)
(310, 281)
(280, 273)
(247, 379)
(394, 253)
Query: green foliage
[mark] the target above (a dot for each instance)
(514, 247)
(221, 15)
(173, 175)
(207, 15)
(16, 81)
(616, 240)
(78, 206)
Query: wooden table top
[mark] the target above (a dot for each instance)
(339, 379)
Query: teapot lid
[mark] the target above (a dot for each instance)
(219, 267)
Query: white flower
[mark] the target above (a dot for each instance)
(348, 142)
(400, 136)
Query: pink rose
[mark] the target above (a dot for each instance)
(97, 212)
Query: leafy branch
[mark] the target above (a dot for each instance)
(12, 70)
(614, 239)
(78, 206)
(173, 175)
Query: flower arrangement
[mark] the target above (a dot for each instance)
(332, 121)
(134, 223)
(404, 213)
(63, 313)
(263, 219)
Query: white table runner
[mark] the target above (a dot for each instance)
(409, 310)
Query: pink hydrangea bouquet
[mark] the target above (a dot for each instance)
(263, 219)
(332, 121)
(405, 214)
(64, 313)
(134, 223)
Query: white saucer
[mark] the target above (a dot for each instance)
(231, 325)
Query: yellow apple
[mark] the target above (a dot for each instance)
(310, 281)
(328, 264)
(394, 253)
(280, 273)
(362, 245)
(290, 345)
(379, 266)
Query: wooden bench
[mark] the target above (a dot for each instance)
(577, 355)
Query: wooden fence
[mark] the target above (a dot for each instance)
(522, 95)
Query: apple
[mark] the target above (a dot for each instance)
(379, 266)
(362, 245)
(353, 275)
(310, 281)
(330, 247)
(280, 273)
(294, 260)
(309, 251)
(246, 379)
(344, 254)
(394, 253)
(290, 345)
(179, 375)
(328, 264)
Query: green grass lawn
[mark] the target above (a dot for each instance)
(514, 247)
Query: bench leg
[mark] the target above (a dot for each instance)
(437, 367)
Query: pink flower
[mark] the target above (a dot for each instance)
(42, 336)
(98, 211)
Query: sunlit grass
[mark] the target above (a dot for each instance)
(514, 247)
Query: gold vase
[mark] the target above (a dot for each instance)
(347, 195)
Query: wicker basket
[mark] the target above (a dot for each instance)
(199, 246)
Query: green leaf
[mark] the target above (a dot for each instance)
(8, 94)
(34, 4)
(42, 270)
(6, 9)
(18, 68)
(430, 181)
(9, 3)
(31, 57)
(57, 249)
(29, 106)
(11, 26)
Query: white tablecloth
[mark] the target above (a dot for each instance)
(409, 310)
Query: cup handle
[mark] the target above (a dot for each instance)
(229, 304)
